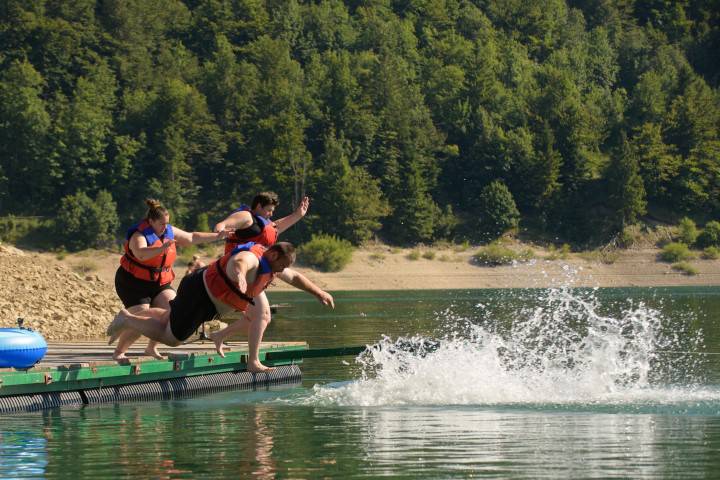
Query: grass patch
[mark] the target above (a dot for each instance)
(606, 256)
(85, 266)
(377, 257)
(711, 253)
(676, 252)
(685, 268)
(413, 255)
(185, 254)
(496, 254)
(429, 255)
(561, 253)
(462, 247)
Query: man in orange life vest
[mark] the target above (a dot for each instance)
(228, 284)
(254, 224)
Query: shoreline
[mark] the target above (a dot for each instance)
(72, 296)
(384, 268)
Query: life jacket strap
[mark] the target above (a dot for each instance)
(231, 285)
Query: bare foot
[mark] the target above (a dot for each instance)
(257, 367)
(115, 327)
(119, 356)
(153, 352)
(219, 345)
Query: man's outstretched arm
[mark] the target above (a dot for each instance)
(300, 281)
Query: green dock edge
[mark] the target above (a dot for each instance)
(90, 376)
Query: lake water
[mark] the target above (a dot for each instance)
(494, 383)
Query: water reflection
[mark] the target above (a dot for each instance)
(426, 442)
(23, 452)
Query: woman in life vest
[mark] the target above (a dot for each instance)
(254, 224)
(145, 275)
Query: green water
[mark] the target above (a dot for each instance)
(456, 415)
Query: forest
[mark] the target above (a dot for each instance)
(408, 121)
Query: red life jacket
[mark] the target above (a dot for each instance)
(261, 231)
(155, 269)
(226, 290)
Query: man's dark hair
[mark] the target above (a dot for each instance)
(264, 199)
(285, 249)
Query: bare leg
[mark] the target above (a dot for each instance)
(259, 316)
(128, 337)
(254, 323)
(162, 300)
(154, 323)
(238, 326)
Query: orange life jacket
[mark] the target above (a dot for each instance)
(226, 290)
(261, 231)
(155, 269)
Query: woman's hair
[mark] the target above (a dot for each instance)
(155, 209)
(265, 198)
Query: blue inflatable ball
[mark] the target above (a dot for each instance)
(20, 347)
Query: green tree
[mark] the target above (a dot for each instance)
(659, 163)
(25, 149)
(349, 202)
(626, 193)
(83, 222)
(83, 131)
(498, 212)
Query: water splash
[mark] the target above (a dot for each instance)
(564, 349)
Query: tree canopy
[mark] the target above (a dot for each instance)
(402, 119)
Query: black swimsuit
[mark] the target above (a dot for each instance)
(191, 307)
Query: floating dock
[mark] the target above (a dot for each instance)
(83, 373)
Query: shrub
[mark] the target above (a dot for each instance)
(377, 257)
(85, 266)
(685, 267)
(711, 253)
(687, 231)
(462, 247)
(326, 253)
(498, 212)
(561, 253)
(628, 236)
(13, 228)
(82, 222)
(496, 254)
(414, 255)
(710, 236)
(676, 252)
(428, 255)
(202, 223)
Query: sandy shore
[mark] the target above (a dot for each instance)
(385, 268)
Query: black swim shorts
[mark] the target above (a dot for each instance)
(191, 307)
(133, 291)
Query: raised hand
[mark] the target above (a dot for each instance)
(303, 207)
